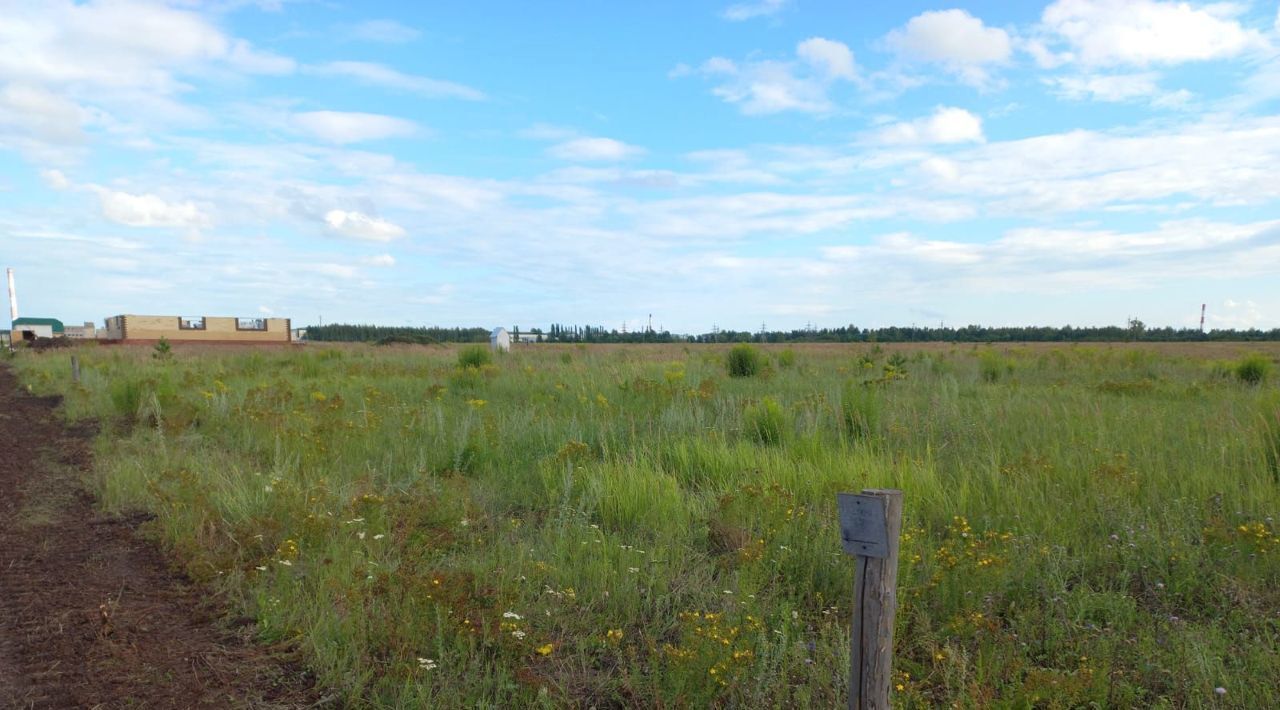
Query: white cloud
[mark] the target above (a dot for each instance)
(1237, 314)
(832, 58)
(362, 226)
(954, 39)
(382, 260)
(1145, 32)
(1225, 162)
(381, 75)
(770, 86)
(945, 125)
(594, 149)
(38, 113)
(55, 179)
(386, 31)
(1107, 87)
(148, 210)
(118, 44)
(350, 127)
(751, 10)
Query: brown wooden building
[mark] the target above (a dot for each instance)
(205, 329)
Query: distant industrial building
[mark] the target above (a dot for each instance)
(88, 331)
(205, 329)
(31, 328)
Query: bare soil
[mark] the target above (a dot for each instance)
(91, 616)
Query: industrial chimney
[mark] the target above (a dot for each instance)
(13, 297)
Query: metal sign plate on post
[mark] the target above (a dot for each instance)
(863, 527)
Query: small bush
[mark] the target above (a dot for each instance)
(1253, 369)
(765, 422)
(859, 410)
(743, 361)
(474, 356)
(162, 351)
(787, 358)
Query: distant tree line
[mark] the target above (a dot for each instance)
(1134, 331)
(345, 333)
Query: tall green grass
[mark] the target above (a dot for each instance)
(636, 527)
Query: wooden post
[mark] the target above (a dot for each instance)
(870, 525)
(75, 369)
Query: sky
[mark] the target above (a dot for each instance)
(772, 163)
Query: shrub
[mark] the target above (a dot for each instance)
(743, 361)
(163, 351)
(859, 410)
(1253, 369)
(765, 422)
(787, 358)
(475, 356)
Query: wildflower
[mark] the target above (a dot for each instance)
(360, 534)
(511, 615)
(1220, 691)
(614, 635)
(426, 664)
(261, 569)
(379, 536)
(633, 570)
(518, 634)
(545, 649)
(477, 403)
(464, 522)
(286, 563)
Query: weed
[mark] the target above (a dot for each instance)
(743, 361)
(1253, 369)
(859, 410)
(474, 356)
(765, 421)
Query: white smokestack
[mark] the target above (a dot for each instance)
(13, 297)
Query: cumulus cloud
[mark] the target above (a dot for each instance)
(384, 76)
(772, 86)
(945, 125)
(344, 127)
(594, 149)
(751, 10)
(1146, 32)
(833, 59)
(362, 226)
(957, 41)
(148, 210)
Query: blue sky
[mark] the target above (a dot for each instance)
(775, 161)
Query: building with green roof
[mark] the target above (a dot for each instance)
(25, 328)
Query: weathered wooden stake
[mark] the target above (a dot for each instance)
(75, 369)
(870, 524)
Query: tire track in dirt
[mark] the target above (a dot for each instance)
(90, 614)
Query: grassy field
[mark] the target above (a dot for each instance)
(631, 526)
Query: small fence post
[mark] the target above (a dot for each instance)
(870, 524)
(75, 369)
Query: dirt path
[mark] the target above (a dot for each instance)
(90, 615)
